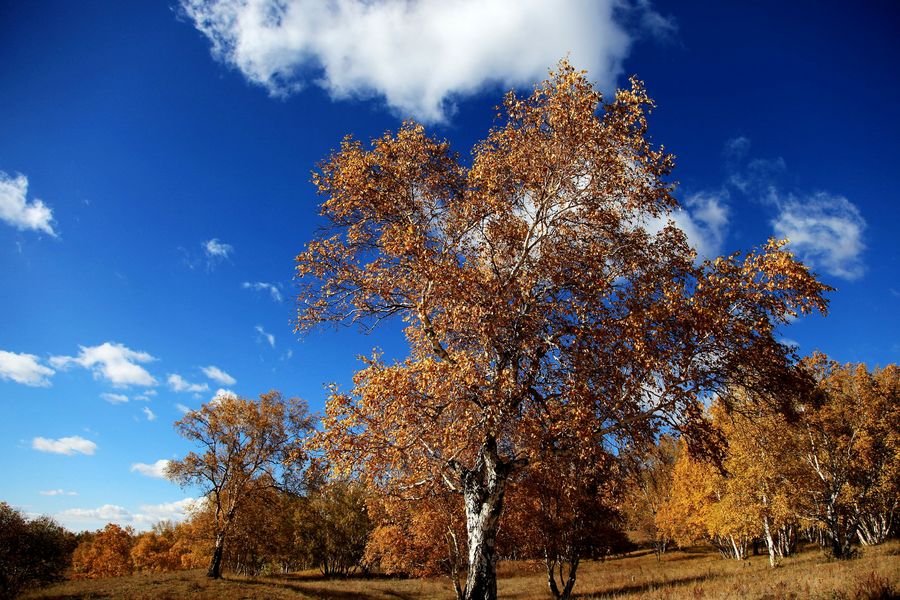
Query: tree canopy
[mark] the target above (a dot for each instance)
(541, 298)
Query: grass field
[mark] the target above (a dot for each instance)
(680, 575)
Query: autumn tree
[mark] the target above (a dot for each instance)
(33, 552)
(850, 440)
(535, 287)
(649, 483)
(419, 537)
(247, 447)
(106, 553)
(765, 472)
(332, 527)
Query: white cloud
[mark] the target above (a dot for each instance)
(108, 512)
(66, 445)
(704, 220)
(262, 286)
(156, 469)
(181, 407)
(826, 231)
(218, 375)
(17, 211)
(417, 55)
(111, 361)
(222, 394)
(179, 384)
(267, 336)
(59, 492)
(146, 516)
(114, 398)
(151, 416)
(24, 369)
(217, 250)
(167, 511)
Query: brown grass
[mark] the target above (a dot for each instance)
(688, 574)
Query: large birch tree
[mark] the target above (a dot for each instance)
(537, 286)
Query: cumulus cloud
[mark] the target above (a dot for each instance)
(151, 416)
(66, 445)
(111, 361)
(110, 513)
(417, 55)
(826, 231)
(179, 384)
(24, 369)
(17, 211)
(262, 286)
(222, 394)
(157, 469)
(145, 517)
(218, 375)
(114, 398)
(265, 335)
(58, 492)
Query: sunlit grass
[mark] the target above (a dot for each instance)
(680, 575)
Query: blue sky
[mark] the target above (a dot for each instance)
(155, 160)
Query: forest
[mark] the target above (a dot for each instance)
(579, 387)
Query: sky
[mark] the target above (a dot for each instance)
(155, 162)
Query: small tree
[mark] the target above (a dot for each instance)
(535, 289)
(247, 448)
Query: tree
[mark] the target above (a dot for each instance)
(248, 447)
(649, 469)
(33, 552)
(332, 527)
(106, 553)
(850, 440)
(535, 288)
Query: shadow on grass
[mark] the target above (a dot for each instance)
(324, 593)
(639, 588)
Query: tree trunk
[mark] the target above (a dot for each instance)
(215, 565)
(770, 540)
(483, 488)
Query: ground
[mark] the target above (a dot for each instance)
(696, 573)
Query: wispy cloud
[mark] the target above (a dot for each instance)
(157, 469)
(59, 492)
(66, 445)
(24, 369)
(114, 398)
(216, 249)
(16, 210)
(218, 375)
(418, 56)
(265, 335)
(182, 408)
(111, 361)
(826, 231)
(179, 384)
(151, 416)
(261, 286)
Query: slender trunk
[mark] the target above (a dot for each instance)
(215, 565)
(483, 488)
(770, 541)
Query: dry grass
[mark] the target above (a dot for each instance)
(680, 575)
